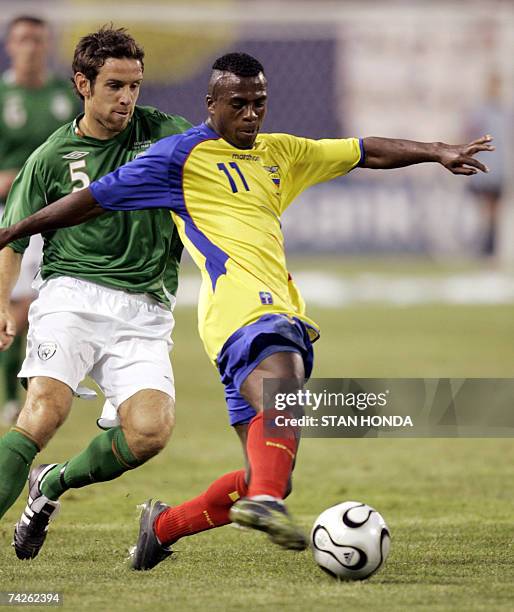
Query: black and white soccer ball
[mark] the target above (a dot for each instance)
(350, 541)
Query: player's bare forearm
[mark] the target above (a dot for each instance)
(73, 209)
(386, 153)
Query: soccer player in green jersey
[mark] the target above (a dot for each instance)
(33, 104)
(227, 186)
(107, 294)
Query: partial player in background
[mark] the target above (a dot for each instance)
(227, 187)
(33, 104)
(105, 305)
(490, 116)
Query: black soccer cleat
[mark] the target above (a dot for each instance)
(272, 518)
(30, 531)
(148, 551)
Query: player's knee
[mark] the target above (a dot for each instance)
(147, 443)
(148, 429)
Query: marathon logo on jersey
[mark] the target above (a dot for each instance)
(274, 174)
(75, 155)
(245, 156)
(46, 350)
(266, 298)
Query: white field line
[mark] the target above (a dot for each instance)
(329, 290)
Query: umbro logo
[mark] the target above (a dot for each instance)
(75, 155)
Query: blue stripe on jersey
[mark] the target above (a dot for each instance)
(363, 153)
(215, 258)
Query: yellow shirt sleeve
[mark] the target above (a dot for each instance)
(309, 162)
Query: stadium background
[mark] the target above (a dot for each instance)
(390, 264)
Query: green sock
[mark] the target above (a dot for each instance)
(107, 457)
(11, 365)
(16, 455)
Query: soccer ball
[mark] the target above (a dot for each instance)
(350, 541)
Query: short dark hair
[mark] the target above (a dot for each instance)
(37, 21)
(94, 49)
(240, 64)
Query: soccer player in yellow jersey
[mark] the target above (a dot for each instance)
(227, 187)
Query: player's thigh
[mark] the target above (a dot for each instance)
(46, 407)
(282, 368)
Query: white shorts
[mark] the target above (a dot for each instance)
(29, 268)
(122, 340)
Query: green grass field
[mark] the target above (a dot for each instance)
(449, 502)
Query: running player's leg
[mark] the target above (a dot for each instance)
(271, 456)
(276, 347)
(65, 358)
(134, 372)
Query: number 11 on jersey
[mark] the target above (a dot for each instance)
(233, 185)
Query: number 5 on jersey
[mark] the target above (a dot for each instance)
(79, 176)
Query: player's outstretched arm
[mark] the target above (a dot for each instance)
(73, 209)
(384, 153)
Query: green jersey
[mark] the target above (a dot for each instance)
(135, 251)
(29, 116)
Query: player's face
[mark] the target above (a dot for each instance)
(27, 46)
(237, 106)
(109, 102)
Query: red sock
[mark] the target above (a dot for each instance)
(271, 459)
(208, 510)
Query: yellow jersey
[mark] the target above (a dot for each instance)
(227, 204)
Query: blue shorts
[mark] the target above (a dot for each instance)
(248, 346)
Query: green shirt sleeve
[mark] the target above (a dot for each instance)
(26, 197)
(174, 125)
